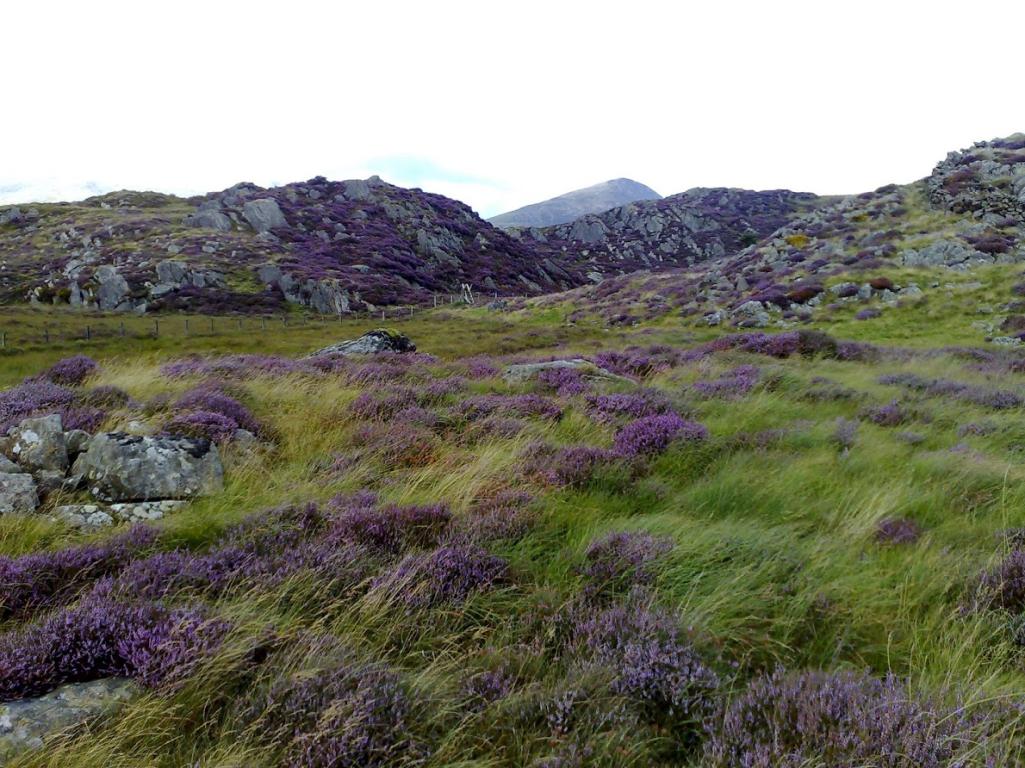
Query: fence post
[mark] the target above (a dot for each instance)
(211, 325)
(186, 326)
(3, 340)
(47, 332)
(264, 322)
(122, 329)
(88, 333)
(156, 329)
(240, 323)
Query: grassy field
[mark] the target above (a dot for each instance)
(768, 545)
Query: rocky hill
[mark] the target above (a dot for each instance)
(330, 246)
(579, 202)
(969, 212)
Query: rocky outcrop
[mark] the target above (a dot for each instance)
(119, 467)
(370, 343)
(573, 205)
(987, 180)
(326, 296)
(27, 724)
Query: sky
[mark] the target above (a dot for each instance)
(498, 103)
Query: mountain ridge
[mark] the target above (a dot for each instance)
(568, 206)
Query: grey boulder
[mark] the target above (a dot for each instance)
(18, 494)
(121, 467)
(520, 372)
(264, 214)
(39, 444)
(370, 343)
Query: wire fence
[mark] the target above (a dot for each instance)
(19, 333)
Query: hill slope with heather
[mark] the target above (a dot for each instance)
(572, 205)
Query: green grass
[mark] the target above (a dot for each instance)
(775, 560)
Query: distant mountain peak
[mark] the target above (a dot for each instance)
(579, 202)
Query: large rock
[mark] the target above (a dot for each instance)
(370, 343)
(520, 372)
(18, 494)
(121, 467)
(209, 219)
(264, 214)
(113, 288)
(27, 724)
(39, 444)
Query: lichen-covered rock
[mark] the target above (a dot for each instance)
(39, 444)
(18, 494)
(370, 343)
(138, 511)
(119, 467)
(83, 515)
(27, 724)
(8, 467)
(520, 372)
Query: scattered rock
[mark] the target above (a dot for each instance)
(29, 723)
(120, 467)
(751, 314)
(18, 494)
(370, 343)
(8, 467)
(77, 441)
(83, 515)
(144, 510)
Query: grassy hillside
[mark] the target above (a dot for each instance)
(750, 550)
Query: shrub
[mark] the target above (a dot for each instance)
(869, 313)
(449, 574)
(735, 383)
(840, 719)
(1004, 586)
(643, 402)
(881, 284)
(203, 424)
(620, 561)
(572, 465)
(392, 529)
(651, 435)
(897, 530)
(211, 399)
(71, 371)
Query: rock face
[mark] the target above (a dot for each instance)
(987, 180)
(119, 467)
(370, 343)
(39, 444)
(18, 494)
(28, 723)
(579, 202)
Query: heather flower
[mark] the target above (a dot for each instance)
(42, 580)
(484, 688)
(843, 719)
(392, 529)
(449, 574)
(30, 399)
(400, 444)
(480, 368)
(651, 663)
(845, 433)
(891, 415)
(565, 382)
(211, 399)
(71, 371)
(651, 435)
(735, 383)
(352, 714)
(480, 406)
(643, 402)
(1004, 586)
(869, 313)
(897, 530)
(620, 561)
(201, 424)
(572, 465)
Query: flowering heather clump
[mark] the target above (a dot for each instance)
(210, 398)
(479, 406)
(449, 574)
(651, 435)
(400, 444)
(204, 424)
(643, 402)
(99, 638)
(636, 362)
(1004, 586)
(869, 313)
(480, 368)
(891, 415)
(354, 714)
(380, 406)
(31, 398)
(897, 530)
(71, 371)
(997, 399)
(572, 465)
(845, 433)
(44, 579)
(484, 688)
(392, 529)
(651, 663)
(735, 383)
(841, 719)
(243, 367)
(503, 517)
(565, 382)
(619, 561)
(976, 428)
(419, 417)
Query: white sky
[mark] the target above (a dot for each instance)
(499, 103)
